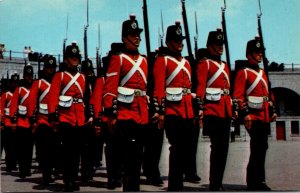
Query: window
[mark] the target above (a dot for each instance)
(295, 127)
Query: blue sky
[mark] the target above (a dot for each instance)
(42, 24)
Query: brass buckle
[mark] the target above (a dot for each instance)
(137, 93)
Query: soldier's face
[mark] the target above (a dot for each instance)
(255, 57)
(175, 46)
(216, 49)
(132, 41)
(28, 78)
(72, 62)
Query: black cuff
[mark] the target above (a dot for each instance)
(32, 120)
(110, 112)
(162, 107)
(98, 122)
(235, 105)
(91, 111)
(52, 117)
(14, 118)
(199, 104)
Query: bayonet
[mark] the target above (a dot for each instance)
(186, 29)
(196, 36)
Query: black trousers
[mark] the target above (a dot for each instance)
(258, 149)
(44, 141)
(153, 142)
(218, 130)
(191, 159)
(24, 138)
(87, 151)
(179, 133)
(132, 142)
(70, 136)
(8, 140)
(113, 153)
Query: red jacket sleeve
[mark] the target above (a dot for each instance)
(239, 88)
(33, 97)
(96, 99)
(110, 90)
(14, 103)
(159, 75)
(54, 93)
(201, 74)
(3, 99)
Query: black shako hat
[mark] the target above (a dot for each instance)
(254, 46)
(50, 62)
(72, 51)
(215, 37)
(130, 26)
(174, 32)
(28, 70)
(14, 77)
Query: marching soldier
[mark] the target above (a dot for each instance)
(174, 111)
(65, 106)
(112, 139)
(125, 101)
(257, 110)
(214, 103)
(8, 134)
(20, 118)
(88, 143)
(154, 136)
(44, 134)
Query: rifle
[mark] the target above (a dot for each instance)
(161, 36)
(196, 38)
(85, 31)
(265, 60)
(146, 25)
(186, 29)
(66, 38)
(98, 55)
(225, 35)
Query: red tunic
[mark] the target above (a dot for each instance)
(96, 99)
(205, 70)
(119, 67)
(163, 67)
(39, 95)
(5, 106)
(73, 115)
(19, 94)
(244, 79)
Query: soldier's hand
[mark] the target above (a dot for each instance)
(14, 127)
(34, 128)
(155, 118)
(248, 122)
(98, 130)
(235, 115)
(274, 117)
(54, 126)
(111, 123)
(161, 120)
(200, 117)
(90, 121)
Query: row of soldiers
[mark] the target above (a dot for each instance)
(131, 105)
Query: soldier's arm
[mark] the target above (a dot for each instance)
(159, 76)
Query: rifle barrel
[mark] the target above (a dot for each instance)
(146, 25)
(225, 38)
(186, 29)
